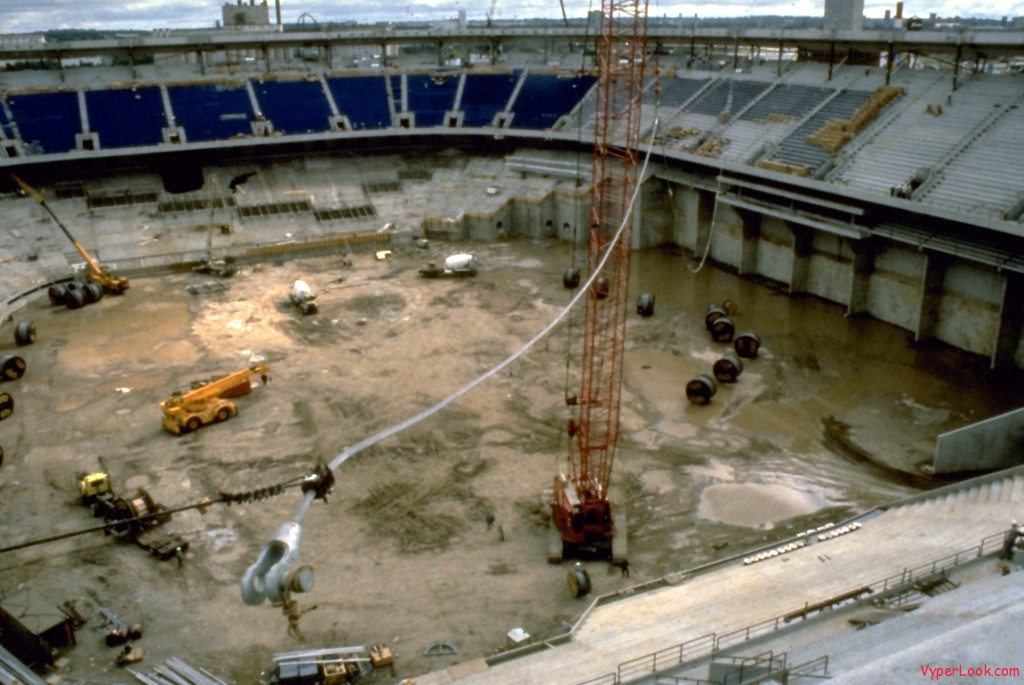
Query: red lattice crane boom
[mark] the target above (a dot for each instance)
(580, 506)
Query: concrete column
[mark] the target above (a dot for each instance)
(749, 241)
(685, 206)
(863, 266)
(702, 223)
(803, 248)
(1011, 322)
(931, 296)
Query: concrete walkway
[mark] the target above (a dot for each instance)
(737, 594)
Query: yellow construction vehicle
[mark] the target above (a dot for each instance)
(209, 401)
(97, 494)
(115, 285)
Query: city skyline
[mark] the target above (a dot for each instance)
(29, 16)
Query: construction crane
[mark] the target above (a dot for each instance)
(115, 285)
(209, 402)
(585, 524)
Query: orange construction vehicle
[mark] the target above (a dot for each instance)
(115, 285)
(209, 401)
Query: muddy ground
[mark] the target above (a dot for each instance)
(835, 416)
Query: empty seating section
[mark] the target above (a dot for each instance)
(786, 101)
(795, 149)
(545, 98)
(363, 99)
(484, 95)
(919, 137)
(985, 178)
(294, 106)
(960, 150)
(212, 112)
(728, 96)
(676, 91)
(126, 117)
(48, 122)
(430, 96)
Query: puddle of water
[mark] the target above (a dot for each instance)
(756, 505)
(717, 471)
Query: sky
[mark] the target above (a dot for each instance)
(22, 16)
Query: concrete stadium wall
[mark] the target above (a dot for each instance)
(949, 298)
(952, 299)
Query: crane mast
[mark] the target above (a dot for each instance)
(580, 508)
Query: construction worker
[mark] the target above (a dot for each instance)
(1010, 541)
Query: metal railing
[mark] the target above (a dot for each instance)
(710, 643)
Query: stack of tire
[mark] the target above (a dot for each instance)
(12, 367)
(74, 294)
(717, 320)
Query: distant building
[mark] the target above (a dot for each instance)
(11, 40)
(844, 15)
(243, 16)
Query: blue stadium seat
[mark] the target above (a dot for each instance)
(212, 112)
(728, 96)
(48, 122)
(787, 100)
(676, 91)
(545, 98)
(363, 99)
(430, 96)
(294, 106)
(126, 117)
(795, 149)
(484, 95)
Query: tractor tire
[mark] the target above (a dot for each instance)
(701, 389)
(25, 333)
(6, 405)
(93, 292)
(223, 414)
(75, 299)
(57, 293)
(747, 344)
(579, 582)
(193, 424)
(727, 369)
(645, 305)
(12, 367)
(571, 278)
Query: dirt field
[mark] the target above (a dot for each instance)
(834, 416)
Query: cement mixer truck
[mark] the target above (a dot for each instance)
(303, 297)
(455, 265)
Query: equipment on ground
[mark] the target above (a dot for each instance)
(455, 265)
(97, 493)
(129, 655)
(329, 666)
(225, 268)
(130, 518)
(303, 297)
(115, 285)
(585, 524)
(208, 401)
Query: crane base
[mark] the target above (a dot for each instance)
(556, 548)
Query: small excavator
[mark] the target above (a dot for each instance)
(114, 285)
(209, 401)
